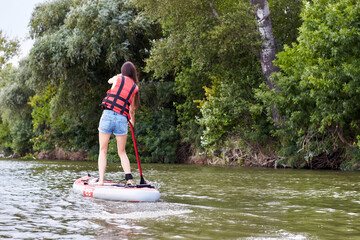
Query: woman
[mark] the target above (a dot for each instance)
(119, 106)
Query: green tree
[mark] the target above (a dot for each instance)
(318, 83)
(202, 41)
(15, 112)
(78, 46)
(8, 48)
(15, 125)
(211, 49)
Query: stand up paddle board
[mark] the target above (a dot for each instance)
(116, 191)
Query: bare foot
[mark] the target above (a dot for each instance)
(96, 182)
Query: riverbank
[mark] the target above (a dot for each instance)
(59, 154)
(226, 156)
(235, 154)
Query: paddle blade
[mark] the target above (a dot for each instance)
(142, 180)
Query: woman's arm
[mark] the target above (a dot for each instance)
(113, 81)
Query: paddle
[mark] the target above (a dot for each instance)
(142, 181)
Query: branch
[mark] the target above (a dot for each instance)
(213, 9)
(338, 130)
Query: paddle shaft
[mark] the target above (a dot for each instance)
(142, 181)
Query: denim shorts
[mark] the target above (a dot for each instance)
(113, 122)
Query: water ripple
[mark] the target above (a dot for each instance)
(37, 203)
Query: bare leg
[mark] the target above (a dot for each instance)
(103, 142)
(125, 163)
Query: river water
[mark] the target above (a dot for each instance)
(197, 202)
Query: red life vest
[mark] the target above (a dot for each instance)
(120, 97)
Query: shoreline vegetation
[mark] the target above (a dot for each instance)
(260, 83)
(224, 157)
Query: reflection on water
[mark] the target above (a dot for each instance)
(196, 202)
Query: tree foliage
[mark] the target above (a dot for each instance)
(8, 48)
(15, 112)
(78, 46)
(286, 19)
(202, 85)
(319, 82)
(206, 44)
(210, 49)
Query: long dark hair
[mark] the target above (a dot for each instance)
(128, 69)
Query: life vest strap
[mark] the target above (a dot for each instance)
(113, 96)
(112, 105)
(124, 106)
(117, 95)
(128, 98)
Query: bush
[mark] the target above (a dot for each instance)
(21, 133)
(155, 127)
(5, 138)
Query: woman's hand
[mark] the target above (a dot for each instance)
(113, 79)
(132, 114)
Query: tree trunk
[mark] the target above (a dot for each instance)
(268, 51)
